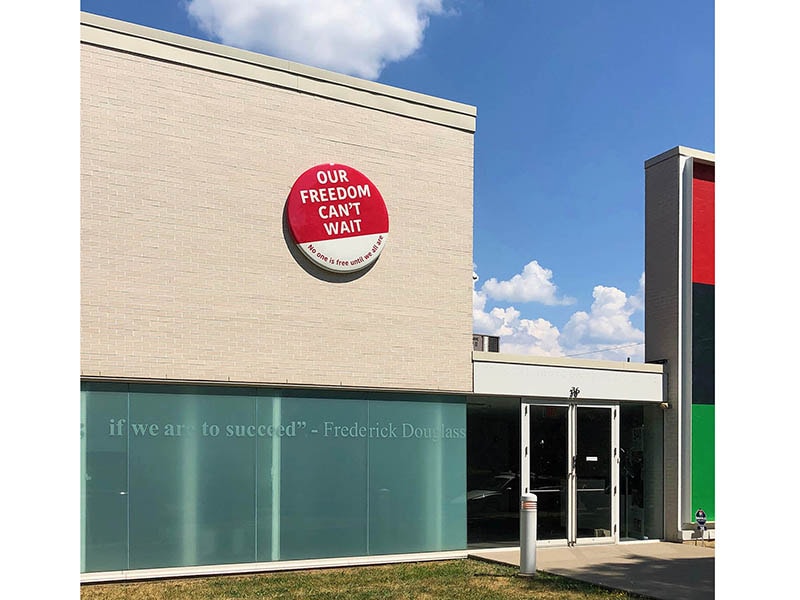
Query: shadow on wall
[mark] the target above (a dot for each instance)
(311, 268)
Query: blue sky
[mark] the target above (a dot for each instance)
(572, 98)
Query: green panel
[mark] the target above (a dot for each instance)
(703, 459)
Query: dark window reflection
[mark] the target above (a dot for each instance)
(493, 472)
(548, 429)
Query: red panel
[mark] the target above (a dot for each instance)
(703, 224)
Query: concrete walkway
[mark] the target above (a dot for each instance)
(659, 570)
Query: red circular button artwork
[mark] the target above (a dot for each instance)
(337, 217)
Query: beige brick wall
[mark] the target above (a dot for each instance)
(187, 271)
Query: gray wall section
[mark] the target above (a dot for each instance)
(662, 294)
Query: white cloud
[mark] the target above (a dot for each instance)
(357, 37)
(533, 336)
(534, 284)
(606, 325)
(605, 332)
(518, 336)
(636, 301)
(482, 321)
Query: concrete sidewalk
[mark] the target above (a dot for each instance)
(659, 570)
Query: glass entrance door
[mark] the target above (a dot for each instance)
(549, 469)
(569, 462)
(593, 477)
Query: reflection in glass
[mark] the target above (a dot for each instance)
(641, 472)
(593, 472)
(548, 432)
(492, 492)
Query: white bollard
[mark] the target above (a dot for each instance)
(527, 534)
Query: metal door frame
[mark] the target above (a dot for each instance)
(570, 468)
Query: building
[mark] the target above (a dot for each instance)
(679, 323)
(276, 370)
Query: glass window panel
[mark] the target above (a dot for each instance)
(192, 462)
(323, 483)
(653, 471)
(549, 476)
(417, 476)
(104, 481)
(641, 472)
(493, 451)
(183, 476)
(593, 472)
(268, 476)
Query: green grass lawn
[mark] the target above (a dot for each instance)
(452, 580)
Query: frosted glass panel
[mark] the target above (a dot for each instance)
(191, 472)
(104, 478)
(323, 479)
(417, 477)
(182, 476)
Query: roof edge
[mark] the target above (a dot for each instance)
(701, 155)
(172, 47)
(563, 361)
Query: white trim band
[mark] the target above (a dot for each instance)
(266, 567)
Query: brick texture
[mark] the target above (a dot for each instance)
(188, 271)
(661, 303)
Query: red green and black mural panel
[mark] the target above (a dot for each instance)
(703, 459)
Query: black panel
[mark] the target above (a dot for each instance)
(702, 343)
